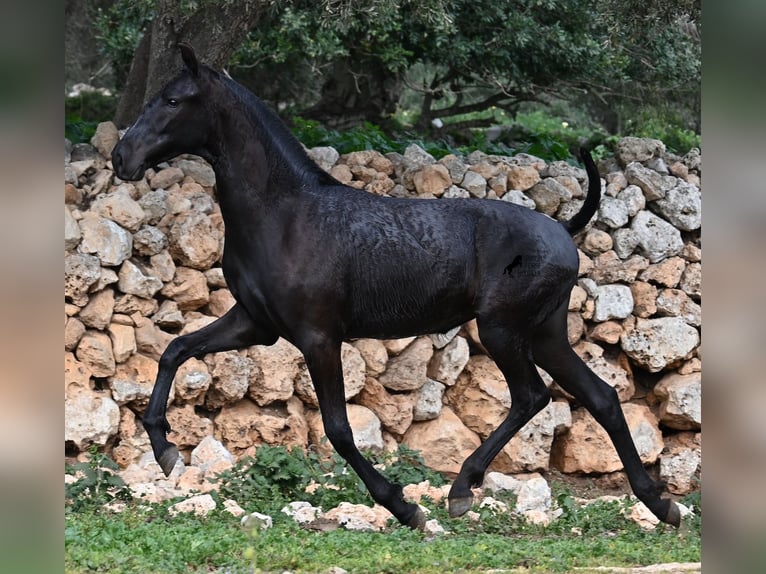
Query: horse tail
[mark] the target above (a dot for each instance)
(592, 199)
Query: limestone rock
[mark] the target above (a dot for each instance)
(154, 204)
(209, 452)
(164, 178)
(680, 462)
(137, 280)
(188, 429)
(612, 302)
(644, 299)
(395, 411)
(242, 426)
(105, 138)
(609, 268)
(76, 375)
(548, 195)
(231, 378)
(676, 303)
(169, 316)
(324, 156)
(149, 241)
(121, 208)
(681, 396)
(630, 149)
(613, 212)
(365, 427)
(659, 343)
(73, 332)
(195, 241)
(666, 273)
(518, 197)
(530, 448)
(432, 179)
(633, 198)
(188, 289)
(72, 234)
(647, 179)
(447, 363)
(455, 167)
(90, 417)
(98, 312)
(275, 371)
(95, 350)
(105, 239)
(480, 397)
(587, 448)
(192, 381)
(123, 341)
(358, 516)
(444, 442)
(428, 403)
(256, 521)
(657, 238)
(199, 171)
(522, 178)
(616, 372)
(407, 371)
(691, 280)
(200, 505)
(681, 206)
(596, 241)
(374, 354)
(150, 339)
(133, 382)
(532, 491)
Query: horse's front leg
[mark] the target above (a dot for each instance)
(324, 364)
(234, 330)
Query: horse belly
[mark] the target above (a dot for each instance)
(406, 304)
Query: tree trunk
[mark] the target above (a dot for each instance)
(349, 97)
(82, 62)
(214, 30)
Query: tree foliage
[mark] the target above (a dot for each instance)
(346, 62)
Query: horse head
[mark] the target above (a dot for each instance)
(175, 121)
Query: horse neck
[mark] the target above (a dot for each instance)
(254, 152)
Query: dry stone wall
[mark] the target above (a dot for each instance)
(142, 266)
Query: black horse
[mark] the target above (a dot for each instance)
(316, 262)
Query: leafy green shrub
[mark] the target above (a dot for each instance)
(276, 476)
(665, 127)
(98, 485)
(83, 114)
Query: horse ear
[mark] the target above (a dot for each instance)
(189, 58)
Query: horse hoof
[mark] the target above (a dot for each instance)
(673, 517)
(459, 506)
(168, 459)
(418, 520)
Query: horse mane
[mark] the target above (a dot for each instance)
(276, 136)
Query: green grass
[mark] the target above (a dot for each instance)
(147, 539)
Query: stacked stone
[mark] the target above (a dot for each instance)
(142, 266)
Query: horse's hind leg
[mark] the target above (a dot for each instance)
(554, 354)
(511, 352)
(234, 330)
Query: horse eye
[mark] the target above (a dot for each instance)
(173, 103)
